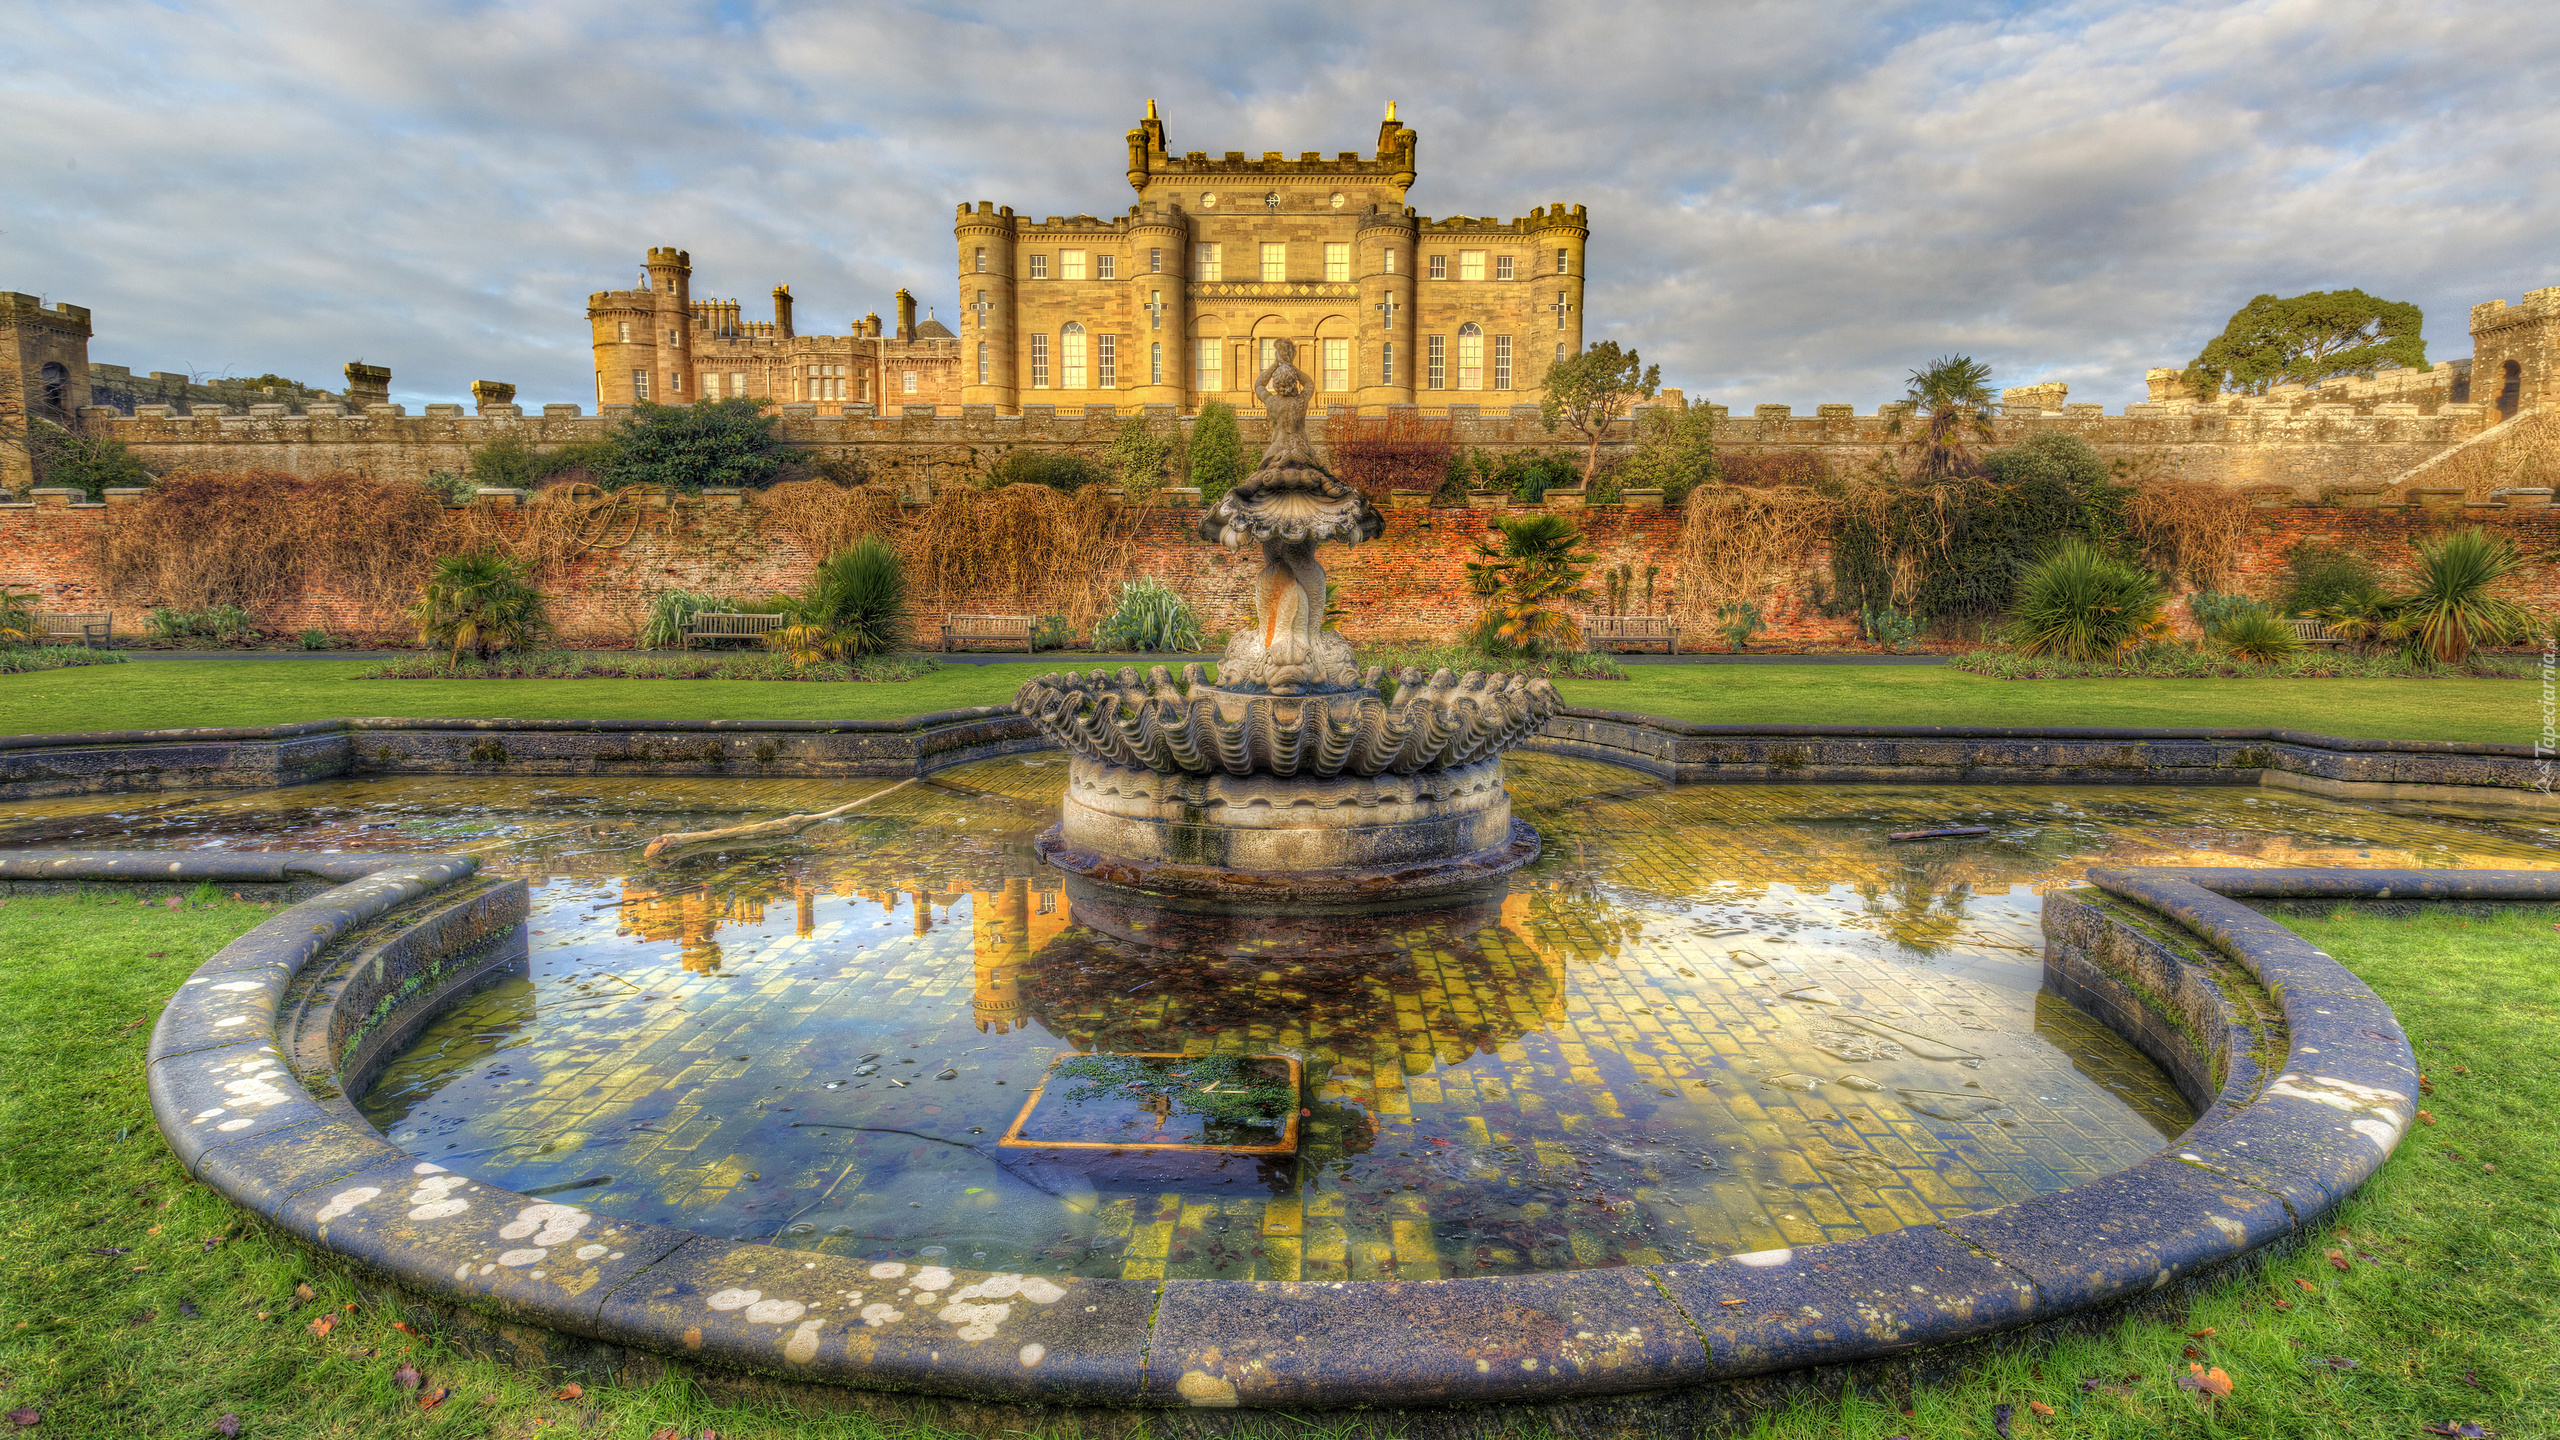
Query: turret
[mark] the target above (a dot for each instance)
(1158, 371)
(906, 316)
(985, 239)
(671, 311)
(1562, 233)
(782, 312)
(1386, 259)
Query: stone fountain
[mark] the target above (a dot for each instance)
(1292, 776)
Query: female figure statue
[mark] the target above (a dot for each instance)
(1290, 504)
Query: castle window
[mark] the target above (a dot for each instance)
(1211, 353)
(1388, 257)
(1071, 357)
(1155, 261)
(1337, 365)
(1501, 267)
(1439, 267)
(1563, 306)
(675, 382)
(1337, 260)
(983, 359)
(1564, 261)
(1155, 309)
(1269, 355)
(1470, 356)
(982, 259)
(1106, 362)
(1070, 264)
(623, 329)
(1470, 264)
(1039, 362)
(737, 384)
(1387, 360)
(907, 379)
(1436, 354)
(1275, 261)
(1559, 350)
(1106, 267)
(1205, 260)
(1039, 267)
(865, 388)
(639, 384)
(1155, 362)
(2512, 392)
(1501, 362)
(56, 378)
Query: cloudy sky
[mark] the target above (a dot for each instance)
(1790, 203)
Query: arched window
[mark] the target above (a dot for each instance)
(1470, 356)
(2512, 392)
(1071, 357)
(56, 380)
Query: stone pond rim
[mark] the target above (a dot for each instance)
(2276, 1147)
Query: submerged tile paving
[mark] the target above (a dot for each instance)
(1712, 1020)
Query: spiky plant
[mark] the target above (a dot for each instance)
(1526, 578)
(17, 616)
(2081, 603)
(1149, 615)
(2451, 610)
(483, 602)
(855, 605)
(1953, 400)
(2258, 634)
(2362, 618)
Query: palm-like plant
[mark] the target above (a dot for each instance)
(2259, 634)
(1952, 397)
(483, 602)
(1533, 571)
(17, 616)
(855, 605)
(2081, 603)
(2360, 617)
(2451, 610)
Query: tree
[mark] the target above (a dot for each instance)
(2305, 340)
(1217, 454)
(1675, 454)
(1591, 390)
(1138, 455)
(1533, 569)
(690, 447)
(1952, 396)
(855, 605)
(68, 460)
(482, 602)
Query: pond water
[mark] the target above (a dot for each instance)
(1709, 1019)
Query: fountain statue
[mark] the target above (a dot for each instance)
(1293, 776)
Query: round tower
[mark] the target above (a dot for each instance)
(1160, 299)
(620, 323)
(671, 288)
(985, 236)
(1386, 259)
(1561, 233)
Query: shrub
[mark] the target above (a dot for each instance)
(1138, 455)
(671, 610)
(2080, 603)
(1675, 453)
(2362, 618)
(1051, 632)
(1737, 621)
(2259, 634)
(2213, 610)
(18, 616)
(1401, 451)
(26, 659)
(228, 624)
(452, 486)
(482, 602)
(1524, 579)
(1889, 627)
(1217, 452)
(1043, 468)
(1149, 616)
(854, 606)
(68, 460)
(2317, 576)
(2451, 610)
(249, 538)
(318, 640)
(623, 665)
(689, 447)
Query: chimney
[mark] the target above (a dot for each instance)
(367, 384)
(485, 393)
(870, 326)
(906, 316)
(782, 312)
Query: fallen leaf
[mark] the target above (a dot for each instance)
(1728, 1302)
(324, 1325)
(669, 1433)
(433, 1398)
(24, 1418)
(2283, 1304)
(2472, 1380)
(2488, 1169)
(2426, 1086)
(2199, 1334)
(568, 1392)
(2337, 1261)
(2000, 1421)
(2305, 1284)
(2425, 1119)
(2039, 1407)
(110, 1249)
(2215, 1381)
(2462, 1431)
(2336, 1362)
(304, 1292)
(227, 1426)
(406, 1376)
(403, 1327)
(2192, 1353)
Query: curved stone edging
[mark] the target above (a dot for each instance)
(2261, 1168)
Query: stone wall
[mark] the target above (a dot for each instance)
(1410, 584)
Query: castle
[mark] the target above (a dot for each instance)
(1180, 300)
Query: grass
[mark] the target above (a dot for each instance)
(170, 694)
(26, 659)
(2445, 1304)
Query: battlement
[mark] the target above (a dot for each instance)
(670, 255)
(2498, 314)
(622, 300)
(1546, 217)
(18, 309)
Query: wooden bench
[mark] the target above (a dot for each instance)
(2313, 632)
(94, 629)
(720, 625)
(1013, 631)
(1619, 632)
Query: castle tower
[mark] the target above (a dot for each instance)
(1387, 258)
(2515, 354)
(44, 375)
(1159, 250)
(1563, 235)
(985, 237)
(670, 287)
(1001, 921)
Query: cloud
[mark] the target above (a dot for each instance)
(1790, 203)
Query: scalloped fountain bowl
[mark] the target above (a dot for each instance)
(1236, 793)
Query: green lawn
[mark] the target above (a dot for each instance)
(134, 1302)
(160, 695)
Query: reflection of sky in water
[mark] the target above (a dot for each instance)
(1711, 1019)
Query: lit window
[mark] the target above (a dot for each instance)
(1564, 261)
(1501, 362)
(1562, 305)
(1070, 264)
(866, 389)
(1155, 362)
(1559, 349)
(909, 381)
(1388, 256)
(1436, 353)
(1337, 365)
(1387, 361)
(1275, 261)
(1439, 267)
(1470, 357)
(1502, 267)
(1155, 309)
(1106, 362)
(1155, 262)
(1106, 267)
(1205, 258)
(1211, 353)
(982, 309)
(1337, 260)
(1039, 362)
(983, 363)
(639, 384)
(982, 259)
(1270, 355)
(624, 327)
(737, 383)
(1470, 264)
(1071, 357)
(675, 383)
(1039, 267)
